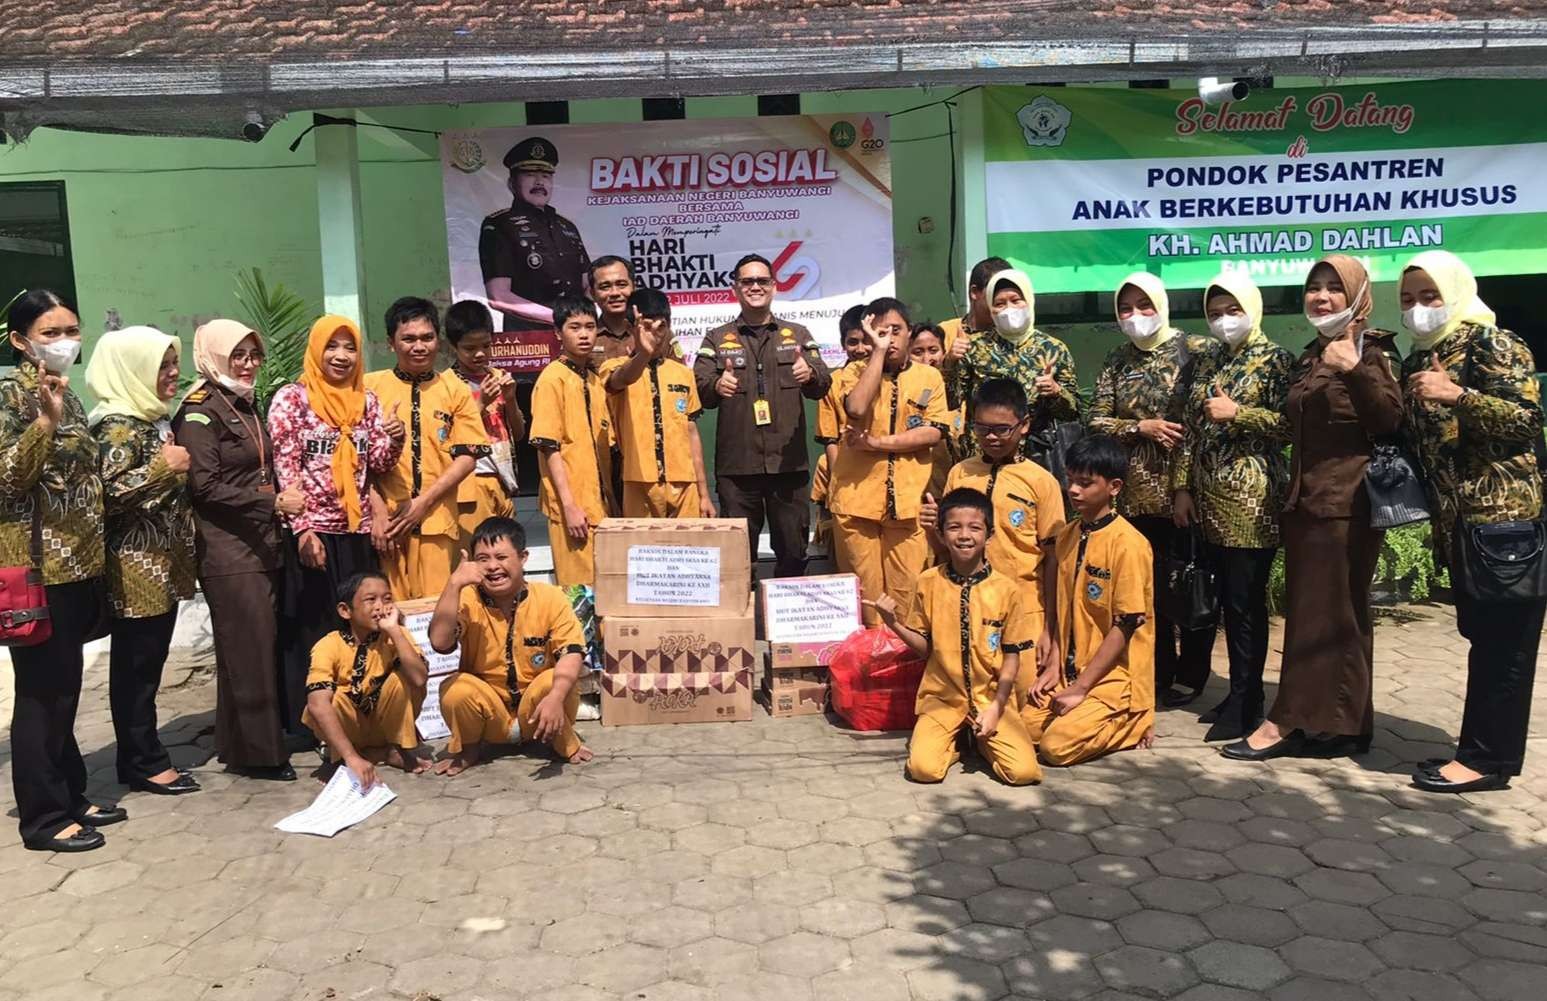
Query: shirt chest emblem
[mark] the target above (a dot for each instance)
(1017, 518)
(1093, 591)
(993, 641)
(682, 406)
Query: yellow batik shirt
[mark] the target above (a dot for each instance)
(148, 520)
(1106, 579)
(1237, 471)
(885, 486)
(339, 663)
(1478, 456)
(546, 630)
(1028, 512)
(653, 419)
(569, 416)
(1136, 385)
(971, 623)
(443, 424)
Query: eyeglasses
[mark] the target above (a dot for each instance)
(755, 282)
(243, 357)
(994, 430)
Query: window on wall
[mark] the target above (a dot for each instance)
(35, 239)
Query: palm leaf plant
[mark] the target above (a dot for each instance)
(282, 317)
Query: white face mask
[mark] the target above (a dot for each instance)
(243, 389)
(1139, 327)
(1426, 320)
(58, 356)
(1013, 323)
(1232, 329)
(1332, 324)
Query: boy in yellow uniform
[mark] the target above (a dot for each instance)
(926, 346)
(522, 650)
(366, 683)
(969, 622)
(654, 404)
(856, 346)
(489, 492)
(571, 432)
(1095, 690)
(895, 413)
(418, 538)
(1028, 503)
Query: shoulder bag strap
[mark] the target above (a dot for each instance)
(36, 547)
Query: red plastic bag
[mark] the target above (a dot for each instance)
(875, 681)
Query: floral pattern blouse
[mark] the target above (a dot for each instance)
(303, 455)
(150, 557)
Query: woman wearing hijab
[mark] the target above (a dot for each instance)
(328, 433)
(1230, 476)
(1019, 351)
(149, 535)
(1474, 418)
(236, 513)
(1138, 400)
(49, 478)
(1343, 396)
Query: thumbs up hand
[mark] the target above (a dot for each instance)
(1219, 407)
(801, 370)
(929, 513)
(1434, 384)
(394, 425)
(1342, 354)
(1046, 385)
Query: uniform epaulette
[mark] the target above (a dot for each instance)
(197, 396)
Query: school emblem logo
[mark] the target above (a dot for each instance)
(842, 134)
(1017, 518)
(467, 156)
(993, 641)
(538, 660)
(1044, 122)
(682, 406)
(1093, 591)
(914, 421)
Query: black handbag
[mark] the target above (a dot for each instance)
(1188, 592)
(1395, 490)
(1047, 446)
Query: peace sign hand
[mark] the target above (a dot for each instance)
(1045, 384)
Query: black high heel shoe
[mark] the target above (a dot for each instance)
(1287, 746)
(83, 840)
(180, 786)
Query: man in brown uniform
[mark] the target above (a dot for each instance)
(758, 371)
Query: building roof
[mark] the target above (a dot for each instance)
(86, 61)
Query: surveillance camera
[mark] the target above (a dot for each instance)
(255, 128)
(1213, 91)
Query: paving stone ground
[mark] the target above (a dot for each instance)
(789, 860)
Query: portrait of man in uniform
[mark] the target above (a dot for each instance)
(531, 255)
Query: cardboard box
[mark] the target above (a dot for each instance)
(666, 669)
(672, 568)
(792, 677)
(805, 618)
(796, 700)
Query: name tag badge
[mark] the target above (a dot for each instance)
(762, 413)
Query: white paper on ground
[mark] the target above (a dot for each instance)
(341, 804)
(674, 575)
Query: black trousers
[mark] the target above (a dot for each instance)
(1181, 655)
(311, 612)
(784, 499)
(47, 771)
(138, 654)
(1500, 669)
(1243, 600)
(248, 689)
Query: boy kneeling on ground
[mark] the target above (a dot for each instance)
(367, 683)
(522, 651)
(1095, 688)
(970, 624)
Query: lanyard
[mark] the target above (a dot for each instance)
(256, 430)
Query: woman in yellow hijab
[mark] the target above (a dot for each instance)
(150, 539)
(329, 434)
(1474, 418)
(1229, 477)
(1137, 399)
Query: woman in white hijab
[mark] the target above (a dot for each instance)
(1138, 399)
(1474, 419)
(149, 535)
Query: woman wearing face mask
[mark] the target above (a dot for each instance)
(149, 533)
(48, 471)
(236, 512)
(1138, 400)
(1474, 419)
(1042, 364)
(1230, 475)
(328, 433)
(1343, 396)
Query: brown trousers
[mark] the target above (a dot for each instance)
(247, 675)
(1329, 639)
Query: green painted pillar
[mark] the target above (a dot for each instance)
(972, 203)
(340, 223)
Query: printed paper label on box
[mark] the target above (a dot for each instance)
(674, 575)
(431, 725)
(811, 609)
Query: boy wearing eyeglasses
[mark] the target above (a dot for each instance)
(894, 412)
(1028, 502)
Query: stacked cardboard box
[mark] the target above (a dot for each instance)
(805, 619)
(679, 630)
